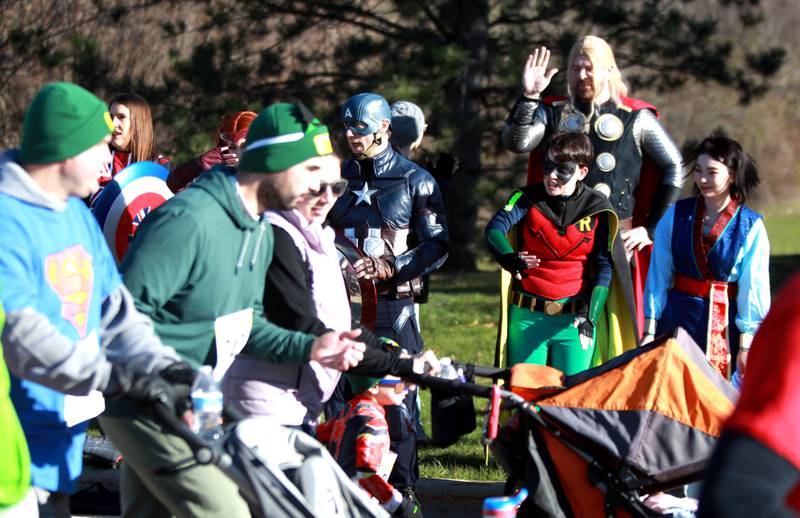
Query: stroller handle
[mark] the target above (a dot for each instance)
(483, 371)
(454, 386)
(204, 452)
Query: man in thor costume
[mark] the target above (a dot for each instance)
(637, 165)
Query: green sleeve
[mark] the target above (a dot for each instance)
(497, 239)
(599, 297)
(276, 344)
(152, 269)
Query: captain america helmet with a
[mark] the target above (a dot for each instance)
(363, 113)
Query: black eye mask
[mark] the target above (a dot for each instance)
(564, 170)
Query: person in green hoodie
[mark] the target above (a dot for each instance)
(197, 267)
(16, 496)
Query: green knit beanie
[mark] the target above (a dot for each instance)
(280, 137)
(360, 383)
(62, 121)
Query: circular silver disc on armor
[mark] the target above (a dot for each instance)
(603, 188)
(606, 162)
(608, 127)
(573, 123)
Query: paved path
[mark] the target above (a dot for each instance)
(460, 498)
(440, 497)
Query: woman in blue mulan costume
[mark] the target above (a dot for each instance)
(710, 268)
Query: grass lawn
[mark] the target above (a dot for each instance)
(461, 321)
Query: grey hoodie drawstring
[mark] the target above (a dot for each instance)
(240, 262)
(261, 229)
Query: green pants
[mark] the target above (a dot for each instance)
(194, 491)
(534, 337)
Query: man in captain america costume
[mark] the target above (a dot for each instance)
(637, 165)
(393, 212)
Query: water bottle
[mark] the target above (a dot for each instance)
(504, 506)
(207, 404)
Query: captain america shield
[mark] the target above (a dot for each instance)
(127, 199)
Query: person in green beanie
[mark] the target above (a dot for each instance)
(197, 266)
(71, 327)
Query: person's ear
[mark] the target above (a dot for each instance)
(582, 172)
(384, 126)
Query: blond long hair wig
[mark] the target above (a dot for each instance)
(602, 57)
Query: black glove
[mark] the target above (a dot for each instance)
(513, 263)
(582, 322)
(181, 376)
(408, 508)
(150, 388)
(585, 326)
(179, 373)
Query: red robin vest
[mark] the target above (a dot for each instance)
(564, 255)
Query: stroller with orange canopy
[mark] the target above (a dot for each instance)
(593, 444)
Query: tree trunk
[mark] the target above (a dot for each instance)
(471, 24)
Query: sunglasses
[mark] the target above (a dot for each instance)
(399, 385)
(337, 188)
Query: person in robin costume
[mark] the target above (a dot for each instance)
(636, 163)
(561, 264)
(710, 269)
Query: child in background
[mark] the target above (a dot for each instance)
(358, 438)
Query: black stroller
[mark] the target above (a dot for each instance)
(280, 471)
(592, 444)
